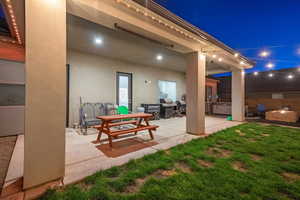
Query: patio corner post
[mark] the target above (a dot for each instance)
(238, 95)
(195, 93)
(45, 113)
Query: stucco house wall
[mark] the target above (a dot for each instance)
(12, 97)
(93, 78)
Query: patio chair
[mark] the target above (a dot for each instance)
(110, 109)
(123, 110)
(261, 110)
(99, 109)
(88, 116)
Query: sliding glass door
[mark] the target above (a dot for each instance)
(124, 89)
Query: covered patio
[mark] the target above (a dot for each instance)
(97, 41)
(83, 157)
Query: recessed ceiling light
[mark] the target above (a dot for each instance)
(236, 55)
(98, 41)
(270, 65)
(242, 63)
(159, 57)
(214, 56)
(220, 59)
(255, 73)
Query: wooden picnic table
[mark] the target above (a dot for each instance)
(108, 121)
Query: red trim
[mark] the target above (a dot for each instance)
(12, 52)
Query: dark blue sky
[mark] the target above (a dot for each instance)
(248, 26)
(1, 12)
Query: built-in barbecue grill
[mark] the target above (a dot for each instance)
(152, 109)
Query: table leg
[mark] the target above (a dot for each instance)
(139, 124)
(108, 134)
(100, 131)
(110, 141)
(150, 131)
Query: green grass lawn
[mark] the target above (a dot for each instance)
(250, 161)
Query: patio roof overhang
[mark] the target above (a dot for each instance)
(155, 7)
(135, 18)
(123, 45)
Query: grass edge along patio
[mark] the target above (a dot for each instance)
(249, 161)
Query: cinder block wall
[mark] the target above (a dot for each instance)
(274, 104)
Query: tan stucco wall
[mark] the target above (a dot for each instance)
(238, 95)
(12, 116)
(11, 71)
(195, 97)
(94, 78)
(45, 112)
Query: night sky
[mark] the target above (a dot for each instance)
(248, 26)
(1, 12)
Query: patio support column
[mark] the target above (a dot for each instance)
(45, 113)
(195, 93)
(238, 95)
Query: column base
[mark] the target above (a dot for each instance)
(197, 134)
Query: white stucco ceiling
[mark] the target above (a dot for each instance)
(126, 46)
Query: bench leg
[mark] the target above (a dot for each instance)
(110, 141)
(151, 134)
(99, 135)
(100, 131)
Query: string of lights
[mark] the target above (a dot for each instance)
(145, 12)
(287, 75)
(13, 20)
(264, 56)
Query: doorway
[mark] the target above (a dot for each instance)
(124, 89)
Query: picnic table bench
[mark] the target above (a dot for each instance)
(108, 121)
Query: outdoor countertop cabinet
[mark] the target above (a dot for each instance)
(282, 115)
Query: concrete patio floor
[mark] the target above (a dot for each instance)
(84, 159)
